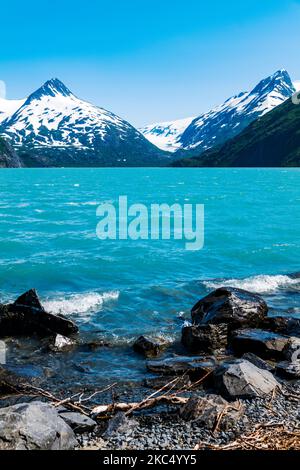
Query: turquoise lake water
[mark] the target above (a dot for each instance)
(117, 290)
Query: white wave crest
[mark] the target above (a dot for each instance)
(79, 303)
(262, 284)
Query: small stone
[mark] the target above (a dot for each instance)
(148, 347)
(63, 344)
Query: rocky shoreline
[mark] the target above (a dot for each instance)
(236, 385)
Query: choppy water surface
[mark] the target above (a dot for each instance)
(116, 290)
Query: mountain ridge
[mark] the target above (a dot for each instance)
(223, 122)
(53, 127)
(271, 141)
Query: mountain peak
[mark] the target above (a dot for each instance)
(53, 87)
(280, 80)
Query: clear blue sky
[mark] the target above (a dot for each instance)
(148, 61)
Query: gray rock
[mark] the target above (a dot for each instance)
(236, 307)
(206, 411)
(240, 378)
(182, 364)
(205, 338)
(77, 421)
(288, 370)
(266, 344)
(34, 426)
(148, 347)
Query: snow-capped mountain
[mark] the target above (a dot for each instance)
(230, 118)
(53, 127)
(166, 135)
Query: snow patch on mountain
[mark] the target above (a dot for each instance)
(166, 135)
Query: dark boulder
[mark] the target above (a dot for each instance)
(205, 338)
(26, 316)
(236, 307)
(148, 347)
(289, 326)
(263, 343)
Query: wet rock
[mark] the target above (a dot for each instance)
(207, 410)
(283, 325)
(148, 347)
(258, 362)
(34, 426)
(240, 378)
(118, 424)
(77, 421)
(93, 345)
(26, 317)
(266, 344)
(205, 338)
(288, 370)
(236, 307)
(198, 365)
(292, 349)
(62, 344)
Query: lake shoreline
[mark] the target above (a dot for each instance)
(235, 380)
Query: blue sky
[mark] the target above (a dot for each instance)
(148, 61)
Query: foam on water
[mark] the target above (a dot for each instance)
(79, 303)
(262, 284)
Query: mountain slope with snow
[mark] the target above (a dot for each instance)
(55, 128)
(166, 135)
(223, 122)
(229, 119)
(271, 141)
